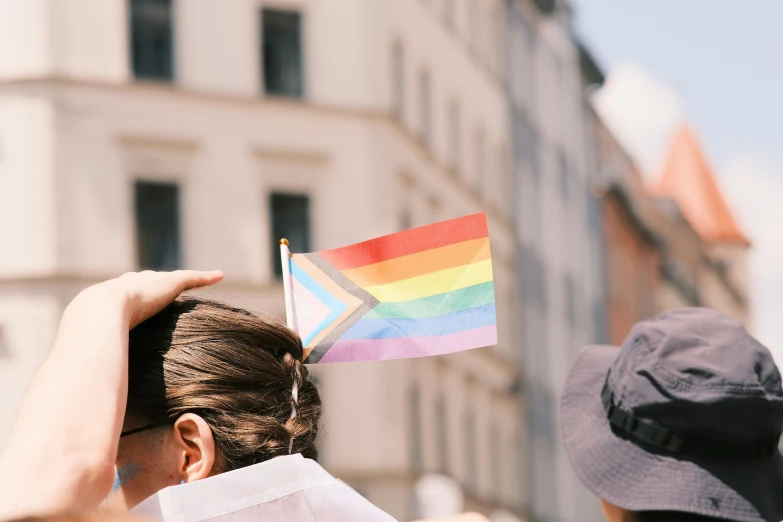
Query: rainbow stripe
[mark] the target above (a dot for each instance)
(424, 291)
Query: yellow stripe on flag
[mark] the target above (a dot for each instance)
(433, 284)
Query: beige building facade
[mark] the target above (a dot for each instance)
(558, 240)
(194, 132)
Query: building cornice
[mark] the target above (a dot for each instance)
(335, 111)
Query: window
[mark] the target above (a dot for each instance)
(594, 216)
(506, 182)
(5, 352)
(570, 308)
(556, 96)
(152, 41)
(533, 272)
(290, 220)
(500, 39)
(406, 220)
(565, 181)
(599, 323)
(471, 464)
(480, 152)
(157, 226)
(425, 118)
(282, 52)
(526, 145)
(495, 464)
(448, 12)
(405, 205)
(474, 14)
(415, 426)
(455, 136)
(398, 80)
(442, 434)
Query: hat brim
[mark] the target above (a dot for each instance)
(622, 473)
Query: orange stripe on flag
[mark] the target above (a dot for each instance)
(421, 263)
(408, 242)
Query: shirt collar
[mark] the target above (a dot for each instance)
(234, 490)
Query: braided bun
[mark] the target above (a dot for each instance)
(243, 375)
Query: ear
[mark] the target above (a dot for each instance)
(195, 447)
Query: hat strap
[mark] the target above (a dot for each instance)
(680, 443)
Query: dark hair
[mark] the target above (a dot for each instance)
(233, 369)
(672, 516)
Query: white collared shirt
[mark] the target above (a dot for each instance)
(289, 488)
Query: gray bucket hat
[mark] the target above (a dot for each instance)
(685, 416)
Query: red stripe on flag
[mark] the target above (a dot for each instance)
(408, 242)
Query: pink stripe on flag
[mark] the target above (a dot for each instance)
(350, 350)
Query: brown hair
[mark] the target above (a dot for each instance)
(233, 369)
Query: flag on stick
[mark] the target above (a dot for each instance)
(424, 291)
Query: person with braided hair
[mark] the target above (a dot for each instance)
(175, 408)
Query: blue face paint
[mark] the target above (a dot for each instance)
(125, 474)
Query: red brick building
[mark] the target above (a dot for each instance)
(632, 264)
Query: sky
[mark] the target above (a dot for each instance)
(717, 65)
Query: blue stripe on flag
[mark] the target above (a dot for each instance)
(336, 306)
(440, 325)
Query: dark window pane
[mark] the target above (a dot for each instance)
(565, 176)
(152, 52)
(442, 433)
(282, 52)
(526, 145)
(495, 460)
(570, 299)
(5, 351)
(290, 220)
(455, 140)
(480, 157)
(157, 226)
(398, 80)
(599, 324)
(425, 117)
(415, 426)
(471, 464)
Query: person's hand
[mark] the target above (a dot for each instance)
(80, 392)
(148, 293)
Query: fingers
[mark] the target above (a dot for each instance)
(190, 279)
(149, 292)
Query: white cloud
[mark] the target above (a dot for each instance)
(642, 112)
(753, 190)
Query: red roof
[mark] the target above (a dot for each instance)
(688, 179)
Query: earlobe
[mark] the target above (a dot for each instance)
(196, 446)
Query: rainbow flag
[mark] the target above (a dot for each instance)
(424, 291)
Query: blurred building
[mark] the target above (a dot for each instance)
(688, 180)
(672, 245)
(558, 238)
(169, 133)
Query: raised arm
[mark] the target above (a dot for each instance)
(60, 456)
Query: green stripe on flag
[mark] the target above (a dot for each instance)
(432, 306)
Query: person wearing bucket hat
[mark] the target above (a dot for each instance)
(682, 422)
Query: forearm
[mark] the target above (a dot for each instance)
(63, 444)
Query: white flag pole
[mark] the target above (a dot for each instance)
(289, 298)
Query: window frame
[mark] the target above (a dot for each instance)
(276, 261)
(171, 76)
(177, 226)
(263, 12)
